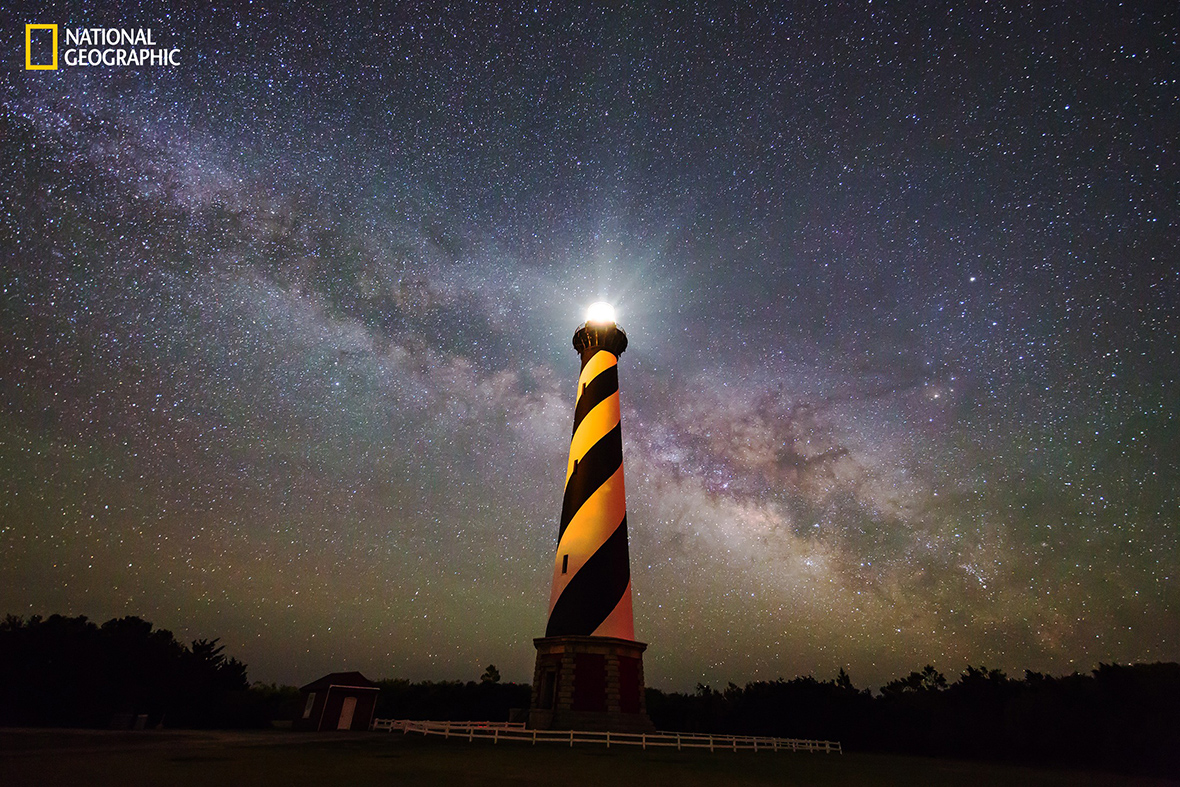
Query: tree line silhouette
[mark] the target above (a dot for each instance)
(1118, 717)
(450, 700)
(62, 671)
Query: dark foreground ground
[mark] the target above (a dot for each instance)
(287, 759)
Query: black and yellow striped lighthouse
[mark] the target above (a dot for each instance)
(589, 672)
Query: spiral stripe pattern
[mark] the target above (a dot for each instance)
(591, 593)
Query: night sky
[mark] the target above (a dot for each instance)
(285, 332)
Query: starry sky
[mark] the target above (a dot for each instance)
(285, 331)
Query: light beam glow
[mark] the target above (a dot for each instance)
(600, 312)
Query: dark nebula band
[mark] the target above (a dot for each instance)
(591, 593)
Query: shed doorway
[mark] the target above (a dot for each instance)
(346, 711)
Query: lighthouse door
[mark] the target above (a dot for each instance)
(346, 712)
(548, 689)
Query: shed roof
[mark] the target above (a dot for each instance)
(353, 680)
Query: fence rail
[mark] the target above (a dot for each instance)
(406, 724)
(515, 731)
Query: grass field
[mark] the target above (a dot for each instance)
(286, 759)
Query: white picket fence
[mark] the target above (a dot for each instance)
(515, 731)
(406, 725)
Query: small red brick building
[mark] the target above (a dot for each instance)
(339, 701)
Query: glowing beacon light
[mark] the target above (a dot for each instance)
(589, 670)
(600, 313)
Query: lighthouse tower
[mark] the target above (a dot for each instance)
(589, 672)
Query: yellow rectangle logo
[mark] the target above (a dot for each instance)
(29, 48)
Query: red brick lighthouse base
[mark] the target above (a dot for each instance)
(589, 683)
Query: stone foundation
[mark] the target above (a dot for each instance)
(589, 683)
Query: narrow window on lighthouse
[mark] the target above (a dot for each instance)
(565, 563)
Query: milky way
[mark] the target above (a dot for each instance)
(285, 333)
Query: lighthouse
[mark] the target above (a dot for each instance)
(589, 670)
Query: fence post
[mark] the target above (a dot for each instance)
(496, 735)
(643, 740)
(608, 739)
(571, 739)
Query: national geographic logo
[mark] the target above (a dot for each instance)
(95, 46)
(29, 65)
